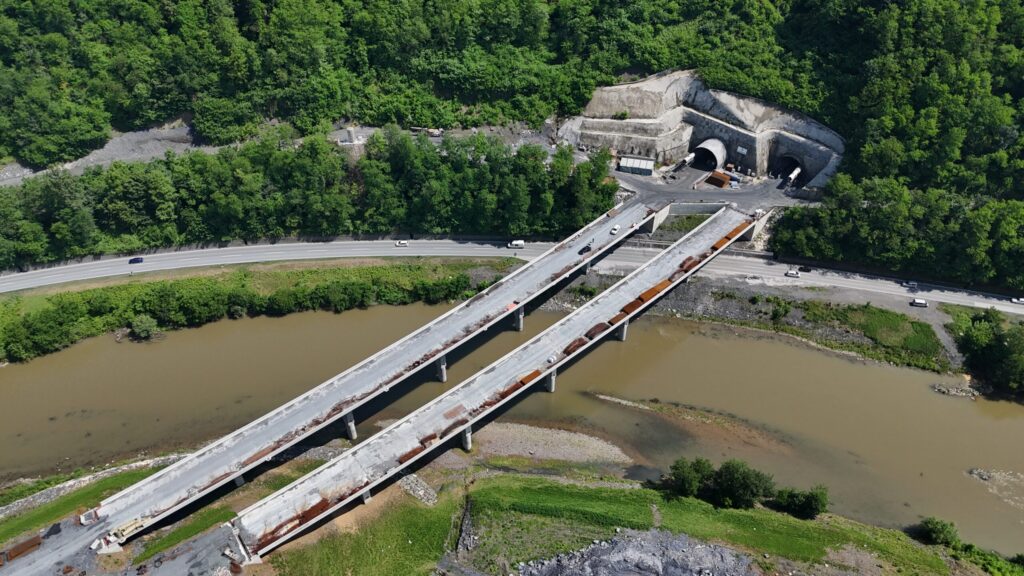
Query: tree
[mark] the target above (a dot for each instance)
(932, 530)
(802, 504)
(691, 478)
(49, 126)
(144, 327)
(737, 485)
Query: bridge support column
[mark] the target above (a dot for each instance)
(239, 481)
(467, 439)
(549, 381)
(519, 319)
(367, 497)
(350, 426)
(442, 368)
(620, 332)
(586, 267)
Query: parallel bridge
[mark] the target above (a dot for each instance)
(353, 475)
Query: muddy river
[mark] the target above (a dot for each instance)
(889, 449)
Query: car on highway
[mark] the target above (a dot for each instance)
(910, 284)
(804, 269)
(919, 303)
(584, 250)
(401, 243)
(1017, 300)
(135, 260)
(615, 229)
(793, 273)
(517, 244)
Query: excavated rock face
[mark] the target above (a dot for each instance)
(667, 115)
(646, 553)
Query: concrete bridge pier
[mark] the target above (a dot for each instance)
(620, 332)
(442, 368)
(549, 381)
(350, 425)
(239, 481)
(367, 497)
(467, 439)
(519, 319)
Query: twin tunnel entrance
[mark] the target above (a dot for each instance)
(709, 155)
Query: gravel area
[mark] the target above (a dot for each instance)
(508, 439)
(641, 553)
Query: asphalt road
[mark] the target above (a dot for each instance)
(624, 258)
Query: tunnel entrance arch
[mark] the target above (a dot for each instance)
(709, 155)
(789, 169)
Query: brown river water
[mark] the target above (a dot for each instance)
(889, 449)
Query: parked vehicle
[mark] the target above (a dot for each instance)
(615, 229)
(401, 243)
(793, 273)
(919, 303)
(584, 250)
(804, 269)
(517, 244)
(135, 260)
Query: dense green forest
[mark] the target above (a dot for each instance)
(929, 93)
(993, 349)
(271, 188)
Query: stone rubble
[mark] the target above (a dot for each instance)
(654, 552)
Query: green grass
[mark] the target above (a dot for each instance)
(82, 499)
(408, 539)
(520, 501)
(279, 479)
(683, 223)
(197, 524)
(18, 491)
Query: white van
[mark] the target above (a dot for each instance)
(517, 244)
(919, 303)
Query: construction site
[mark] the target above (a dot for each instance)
(673, 117)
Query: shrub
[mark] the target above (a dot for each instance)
(932, 530)
(144, 326)
(737, 485)
(802, 504)
(691, 478)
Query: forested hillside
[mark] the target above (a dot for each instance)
(929, 93)
(269, 188)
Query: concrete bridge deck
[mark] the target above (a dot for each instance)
(140, 506)
(278, 518)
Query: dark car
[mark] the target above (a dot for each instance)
(804, 268)
(136, 260)
(584, 250)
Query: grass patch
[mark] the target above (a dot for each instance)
(16, 492)
(409, 538)
(683, 223)
(199, 522)
(79, 500)
(901, 339)
(525, 506)
(551, 467)
(508, 538)
(280, 478)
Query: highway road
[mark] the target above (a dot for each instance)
(624, 259)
